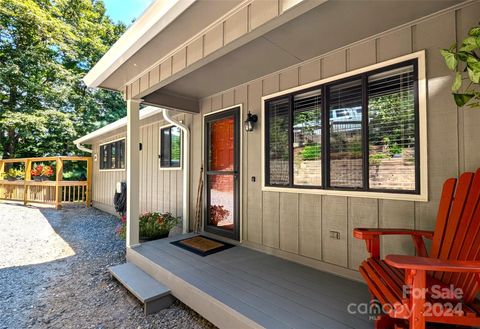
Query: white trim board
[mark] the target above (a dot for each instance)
(422, 117)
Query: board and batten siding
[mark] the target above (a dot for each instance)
(160, 190)
(297, 226)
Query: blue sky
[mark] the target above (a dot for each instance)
(125, 10)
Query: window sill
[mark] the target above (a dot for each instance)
(356, 194)
(107, 170)
(170, 168)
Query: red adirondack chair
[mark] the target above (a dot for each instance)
(449, 275)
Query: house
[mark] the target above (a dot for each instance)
(356, 126)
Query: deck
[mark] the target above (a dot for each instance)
(240, 287)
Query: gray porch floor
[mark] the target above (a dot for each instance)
(268, 291)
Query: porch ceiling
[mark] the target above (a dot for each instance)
(325, 28)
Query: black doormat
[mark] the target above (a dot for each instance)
(201, 245)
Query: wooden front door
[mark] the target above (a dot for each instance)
(222, 174)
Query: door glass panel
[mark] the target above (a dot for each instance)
(221, 155)
(221, 205)
(345, 115)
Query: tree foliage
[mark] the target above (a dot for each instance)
(46, 47)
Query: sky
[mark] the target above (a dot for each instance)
(125, 10)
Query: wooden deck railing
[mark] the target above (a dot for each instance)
(51, 192)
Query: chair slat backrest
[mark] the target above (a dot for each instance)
(457, 232)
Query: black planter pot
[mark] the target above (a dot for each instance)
(40, 178)
(151, 238)
(11, 179)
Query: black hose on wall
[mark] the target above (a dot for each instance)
(120, 199)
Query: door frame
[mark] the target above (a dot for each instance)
(239, 235)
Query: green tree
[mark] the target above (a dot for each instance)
(46, 47)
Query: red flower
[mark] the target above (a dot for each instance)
(123, 219)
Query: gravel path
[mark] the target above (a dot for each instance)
(53, 273)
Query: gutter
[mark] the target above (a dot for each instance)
(82, 148)
(186, 168)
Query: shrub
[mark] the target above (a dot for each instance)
(376, 159)
(13, 173)
(311, 152)
(152, 225)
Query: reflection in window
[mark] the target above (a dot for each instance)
(346, 134)
(307, 138)
(391, 112)
(278, 150)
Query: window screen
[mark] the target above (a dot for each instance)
(391, 112)
(278, 151)
(307, 138)
(345, 118)
(170, 144)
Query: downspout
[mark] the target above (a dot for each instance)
(186, 166)
(83, 148)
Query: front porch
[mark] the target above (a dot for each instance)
(240, 287)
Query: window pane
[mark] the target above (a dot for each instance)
(391, 112)
(307, 138)
(222, 196)
(221, 148)
(121, 154)
(278, 148)
(113, 155)
(345, 114)
(175, 146)
(165, 148)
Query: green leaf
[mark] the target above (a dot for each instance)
(457, 83)
(449, 58)
(474, 75)
(474, 32)
(469, 44)
(462, 99)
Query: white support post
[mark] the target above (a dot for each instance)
(133, 171)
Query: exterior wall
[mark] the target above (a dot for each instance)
(160, 190)
(297, 226)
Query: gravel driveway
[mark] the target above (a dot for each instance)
(53, 273)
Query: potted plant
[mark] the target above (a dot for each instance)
(465, 62)
(41, 173)
(152, 225)
(217, 214)
(13, 174)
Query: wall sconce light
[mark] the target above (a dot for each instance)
(95, 157)
(250, 122)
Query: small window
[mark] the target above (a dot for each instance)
(112, 155)
(170, 147)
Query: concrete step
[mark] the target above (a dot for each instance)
(154, 295)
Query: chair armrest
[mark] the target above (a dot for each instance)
(432, 264)
(372, 238)
(369, 233)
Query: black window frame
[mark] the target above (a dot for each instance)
(106, 163)
(171, 164)
(325, 134)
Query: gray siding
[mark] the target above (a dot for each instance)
(297, 225)
(160, 190)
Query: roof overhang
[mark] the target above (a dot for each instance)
(145, 113)
(155, 18)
